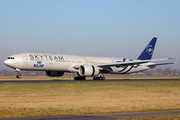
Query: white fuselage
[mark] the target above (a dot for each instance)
(67, 63)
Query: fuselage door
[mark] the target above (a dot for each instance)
(25, 59)
(50, 64)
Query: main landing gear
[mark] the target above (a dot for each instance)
(79, 78)
(99, 78)
(18, 72)
(94, 78)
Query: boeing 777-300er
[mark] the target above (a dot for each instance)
(55, 64)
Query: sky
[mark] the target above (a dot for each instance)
(105, 28)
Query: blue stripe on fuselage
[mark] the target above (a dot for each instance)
(129, 69)
(124, 59)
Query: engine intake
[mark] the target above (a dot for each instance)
(88, 70)
(54, 73)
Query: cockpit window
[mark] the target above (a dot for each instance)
(10, 58)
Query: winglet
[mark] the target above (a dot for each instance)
(148, 51)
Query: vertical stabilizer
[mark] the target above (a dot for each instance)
(148, 51)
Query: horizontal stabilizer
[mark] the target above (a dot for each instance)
(156, 64)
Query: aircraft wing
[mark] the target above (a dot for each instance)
(135, 62)
(119, 64)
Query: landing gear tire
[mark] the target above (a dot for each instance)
(99, 78)
(102, 78)
(79, 78)
(18, 76)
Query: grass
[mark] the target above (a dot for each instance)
(45, 99)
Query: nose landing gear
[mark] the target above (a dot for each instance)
(18, 72)
(18, 76)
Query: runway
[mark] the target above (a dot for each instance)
(110, 116)
(64, 81)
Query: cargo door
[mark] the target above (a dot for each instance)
(86, 61)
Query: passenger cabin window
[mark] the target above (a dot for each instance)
(10, 58)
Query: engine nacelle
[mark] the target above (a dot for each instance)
(88, 70)
(54, 73)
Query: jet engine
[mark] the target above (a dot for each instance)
(88, 70)
(54, 73)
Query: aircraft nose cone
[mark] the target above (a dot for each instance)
(6, 62)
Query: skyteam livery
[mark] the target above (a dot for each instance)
(55, 64)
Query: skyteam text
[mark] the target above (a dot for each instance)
(46, 57)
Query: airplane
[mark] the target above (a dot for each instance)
(55, 65)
